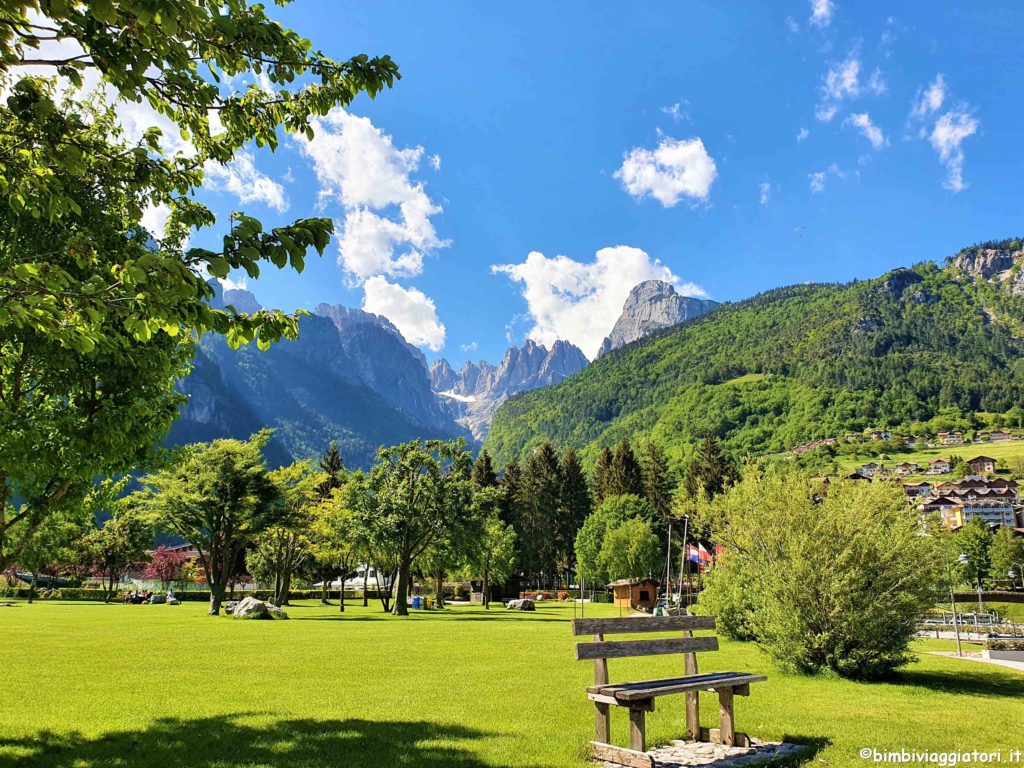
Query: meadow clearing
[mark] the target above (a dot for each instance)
(88, 685)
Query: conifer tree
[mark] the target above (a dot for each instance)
(626, 475)
(658, 481)
(709, 470)
(331, 465)
(541, 502)
(602, 476)
(483, 474)
(576, 505)
(511, 485)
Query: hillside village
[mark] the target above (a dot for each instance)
(958, 489)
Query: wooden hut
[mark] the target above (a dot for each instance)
(635, 594)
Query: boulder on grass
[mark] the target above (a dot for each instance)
(251, 608)
(521, 604)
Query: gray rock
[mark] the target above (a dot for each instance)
(241, 300)
(251, 608)
(521, 604)
(651, 306)
(995, 264)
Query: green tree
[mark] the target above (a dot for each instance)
(219, 497)
(96, 317)
(602, 483)
(658, 481)
(511, 485)
(1006, 553)
(56, 541)
(626, 473)
(334, 541)
(283, 548)
(823, 577)
(540, 506)
(709, 472)
(333, 469)
(575, 507)
(415, 495)
(630, 550)
(117, 546)
(975, 541)
(491, 554)
(483, 474)
(612, 512)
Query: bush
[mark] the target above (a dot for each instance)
(823, 577)
(1005, 645)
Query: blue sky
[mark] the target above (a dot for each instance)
(730, 148)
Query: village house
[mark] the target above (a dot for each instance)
(951, 438)
(939, 466)
(853, 438)
(993, 436)
(982, 465)
(880, 434)
(906, 468)
(914, 490)
(870, 469)
(993, 501)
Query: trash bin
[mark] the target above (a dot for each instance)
(416, 601)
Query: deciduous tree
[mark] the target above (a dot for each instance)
(219, 497)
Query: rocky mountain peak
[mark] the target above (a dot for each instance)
(474, 393)
(242, 300)
(994, 261)
(651, 306)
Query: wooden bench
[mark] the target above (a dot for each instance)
(639, 697)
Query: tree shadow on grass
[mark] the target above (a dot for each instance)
(812, 745)
(497, 614)
(220, 742)
(973, 680)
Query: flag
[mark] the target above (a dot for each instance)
(692, 553)
(705, 556)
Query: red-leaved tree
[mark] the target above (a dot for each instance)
(166, 566)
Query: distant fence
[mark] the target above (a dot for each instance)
(992, 597)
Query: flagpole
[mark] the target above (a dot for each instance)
(682, 559)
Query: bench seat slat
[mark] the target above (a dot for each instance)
(617, 649)
(641, 624)
(646, 689)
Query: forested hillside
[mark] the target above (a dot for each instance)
(798, 363)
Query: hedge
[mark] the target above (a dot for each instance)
(196, 595)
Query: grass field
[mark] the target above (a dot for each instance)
(87, 685)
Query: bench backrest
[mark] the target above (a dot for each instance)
(613, 649)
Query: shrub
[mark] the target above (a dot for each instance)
(823, 577)
(1005, 645)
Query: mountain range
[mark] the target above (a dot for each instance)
(351, 378)
(931, 342)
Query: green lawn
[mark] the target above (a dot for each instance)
(87, 685)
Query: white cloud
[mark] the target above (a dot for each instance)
(154, 219)
(233, 285)
(387, 228)
(876, 83)
(675, 169)
(947, 135)
(802, 134)
(580, 302)
(949, 130)
(411, 310)
(792, 25)
(435, 161)
(841, 82)
(241, 178)
(870, 131)
(679, 111)
(764, 192)
(470, 347)
(817, 180)
(930, 99)
(822, 12)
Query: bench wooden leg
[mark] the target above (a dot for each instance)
(726, 727)
(693, 716)
(637, 730)
(602, 722)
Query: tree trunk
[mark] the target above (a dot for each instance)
(286, 589)
(32, 588)
(219, 585)
(341, 593)
(487, 590)
(401, 606)
(366, 582)
(325, 586)
(439, 578)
